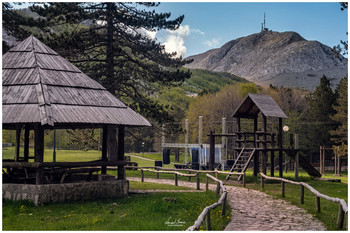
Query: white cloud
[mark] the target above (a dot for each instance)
(176, 39)
(195, 30)
(149, 34)
(213, 42)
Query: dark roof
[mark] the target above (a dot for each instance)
(39, 86)
(254, 103)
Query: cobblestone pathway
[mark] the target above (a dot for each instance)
(252, 210)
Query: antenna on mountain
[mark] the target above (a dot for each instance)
(263, 25)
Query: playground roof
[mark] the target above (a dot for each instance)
(254, 103)
(40, 86)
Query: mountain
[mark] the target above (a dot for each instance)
(277, 58)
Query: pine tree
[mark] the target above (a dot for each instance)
(317, 121)
(340, 135)
(108, 42)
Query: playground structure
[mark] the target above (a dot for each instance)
(199, 152)
(252, 145)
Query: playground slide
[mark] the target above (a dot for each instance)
(305, 165)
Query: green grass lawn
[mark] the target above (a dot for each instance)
(136, 212)
(328, 209)
(154, 186)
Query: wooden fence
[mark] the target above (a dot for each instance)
(190, 171)
(342, 209)
(171, 172)
(206, 211)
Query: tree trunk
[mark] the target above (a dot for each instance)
(109, 49)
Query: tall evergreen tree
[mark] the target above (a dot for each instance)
(317, 121)
(340, 135)
(109, 42)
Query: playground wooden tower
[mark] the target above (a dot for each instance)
(257, 145)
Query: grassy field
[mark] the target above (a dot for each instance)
(154, 186)
(328, 209)
(136, 212)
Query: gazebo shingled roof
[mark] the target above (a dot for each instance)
(255, 103)
(39, 86)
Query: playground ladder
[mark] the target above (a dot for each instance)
(242, 162)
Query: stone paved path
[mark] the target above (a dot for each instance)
(256, 211)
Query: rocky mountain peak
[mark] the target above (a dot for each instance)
(277, 58)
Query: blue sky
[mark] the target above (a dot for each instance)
(210, 25)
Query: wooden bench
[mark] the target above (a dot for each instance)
(69, 172)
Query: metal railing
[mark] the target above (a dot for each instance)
(342, 209)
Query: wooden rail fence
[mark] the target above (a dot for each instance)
(220, 186)
(194, 171)
(342, 209)
(171, 172)
(206, 211)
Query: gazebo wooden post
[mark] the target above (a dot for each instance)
(104, 148)
(256, 155)
(280, 147)
(26, 143)
(264, 153)
(120, 154)
(39, 152)
(18, 141)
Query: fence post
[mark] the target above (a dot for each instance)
(142, 178)
(262, 182)
(318, 204)
(176, 179)
(283, 194)
(340, 219)
(157, 173)
(244, 180)
(216, 174)
(208, 221)
(301, 194)
(189, 178)
(223, 209)
(198, 183)
(207, 184)
(217, 189)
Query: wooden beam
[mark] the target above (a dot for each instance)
(104, 148)
(264, 153)
(18, 141)
(26, 143)
(256, 145)
(212, 151)
(39, 152)
(280, 146)
(272, 170)
(120, 154)
(239, 130)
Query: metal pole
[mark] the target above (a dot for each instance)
(200, 130)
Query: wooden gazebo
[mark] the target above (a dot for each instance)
(42, 90)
